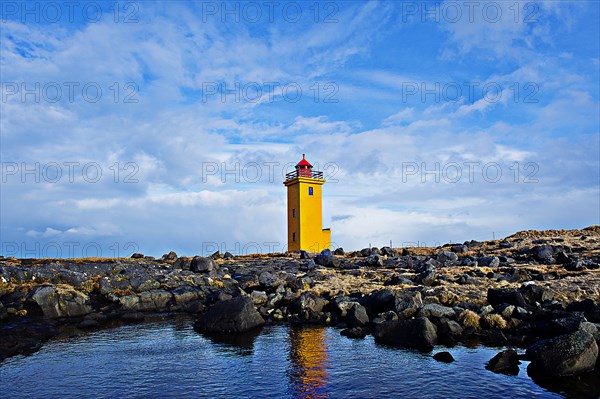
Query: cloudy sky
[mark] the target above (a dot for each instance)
(156, 126)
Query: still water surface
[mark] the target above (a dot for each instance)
(168, 359)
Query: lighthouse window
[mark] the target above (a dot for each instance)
(294, 237)
(293, 213)
(310, 191)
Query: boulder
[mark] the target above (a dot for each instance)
(355, 332)
(259, 298)
(544, 253)
(379, 301)
(341, 305)
(459, 249)
(374, 261)
(304, 254)
(58, 302)
(182, 263)
(357, 316)
(444, 357)
(389, 252)
(339, 251)
(488, 261)
(499, 296)
(137, 256)
(148, 301)
(449, 331)
(589, 307)
(234, 315)
(408, 304)
(426, 278)
(327, 259)
(446, 256)
(533, 293)
(570, 354)
(417, 333)
(170, 256)
(518, 275)
(436, 310)
(186, 293)
(385, 316)
(310, 306)
(308, 265)
(272, 281)
(201, 264)
(505, 362)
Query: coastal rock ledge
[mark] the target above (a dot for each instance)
(235, 315)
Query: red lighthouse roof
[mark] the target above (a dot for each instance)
(304, 163)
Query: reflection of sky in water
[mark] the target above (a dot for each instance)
(169, 359)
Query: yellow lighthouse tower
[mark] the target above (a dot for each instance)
(305, 210)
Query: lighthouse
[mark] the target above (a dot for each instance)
(305, 209)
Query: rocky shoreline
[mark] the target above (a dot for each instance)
(538, 290)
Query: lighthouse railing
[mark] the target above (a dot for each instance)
(313, 174)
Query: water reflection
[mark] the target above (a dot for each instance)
(585, 386)
(239, 344)
(309, 357)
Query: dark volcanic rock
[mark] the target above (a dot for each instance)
(449, 331)
(568, 354)
(408, 304)
(417, 333)
(436, 310)
(505, 362)
(388, 251)
(202, 264)
(339, 251)
(545, 253)
(57, 303)
(459, 248)
(137, 256)
(589, 307)
(182, 263)
(446, 256)
(374, 261)
(170, 256)
(426, 278)
(357, 316)
(327, 259)
(489, 261)
(310, 306)
(534, 293)
(379, 301)
(355, 332)
(498, 296)
(444, 357)
(234, 315)
(3, 314)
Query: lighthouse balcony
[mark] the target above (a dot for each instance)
(311, 174)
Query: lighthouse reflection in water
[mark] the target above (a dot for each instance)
(308, 359)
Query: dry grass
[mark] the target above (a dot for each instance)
(468, 318)
(491, 321)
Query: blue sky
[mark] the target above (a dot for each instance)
(156, 126)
